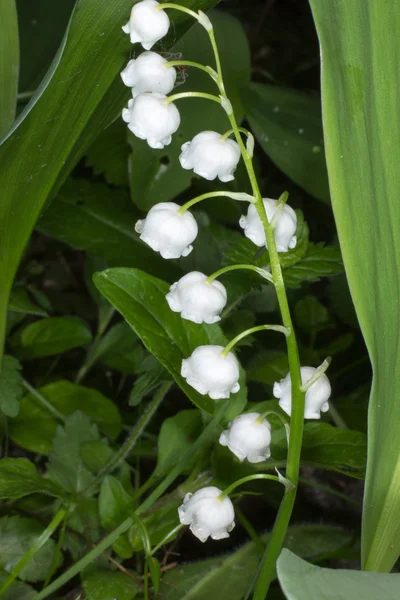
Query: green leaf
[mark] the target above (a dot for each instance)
(10, 386)
(92, 217)
(301, 581)
(152, 374)
(18, 478)
(310, 314)
(319, 261)
(158, 176)
(20, 302)
(109, 154)
(155, 573)
(65, 465)
(361, 53)
(50, 336)
(101, 583)
(230, 575)
(268, 366)
(17, 537)
(176, 436)
(18, 590)
(116, 505)
(140, 298)
(288, 126)
(35, 426)
(9, 64)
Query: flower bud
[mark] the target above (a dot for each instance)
(210, 156)
(210, 372)
(317, 395)
(285, 226)
(168, 232)
(248, 438)
(151, 119)
(197, 300)
(207, 514)
(147, 24)
(148, 73)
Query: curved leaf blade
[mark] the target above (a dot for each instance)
(9, 64)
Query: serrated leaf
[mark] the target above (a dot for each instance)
(10, 386)
(18, 590)
(141, 300)
(65, 465)
(35, 426)
(17, 537)
(319, 261)
(109, 154)
(101, 583)
(18, 478)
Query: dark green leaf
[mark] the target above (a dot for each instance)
(35, 426)
(152, 374)
(50, 336)
(319, 261)
(18, 478)
(268, 366)
(85, 520)
(288, 126)
(310, 314)
(109, 154)
(141, 300)
(101, 583)
(20, 302)
(9, 64)
(18, 590)
(10, 386)
(302, 581)
(176, 436)
(115, 505)
(17, 537)
(155, 573)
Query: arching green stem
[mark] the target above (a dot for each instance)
(244, 334)
(190, 63)
(243, 480)
(175, 97)
(230, 131)
(193, 14)
(318, 373)
(234, 195)
(263, 272)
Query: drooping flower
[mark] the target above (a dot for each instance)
(147, 24)
(207, 514)
(285, 226)
(168, 232)
(210, 156)
(317, 395)
(148, 73)
(210, 372)
(151, 119)
(248, 438)
(197, 300)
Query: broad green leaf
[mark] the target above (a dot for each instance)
(229, 576)
(116, 505)
(35, 426)
(9, 64)
(310, 314)
(92, 217)
(288, 126)
(85, 520)
(109, 154)
(10, 386)
(157, 176)
(101, 583)
(17, 536)
(319, 261)
(360, 56)
(268, 366)
(18, 478)
(50, 336)
(21, 303)
(176, 436)
(65, 465)
(302, 581)
(140, 298)
(18, 590)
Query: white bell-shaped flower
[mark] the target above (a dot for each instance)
(209, 372)
(197, 300)
(151, 119)
(207, 514)
(167, 232)
(247, 438)
(148, 73)
(285, 226)
(317, 395)
(210, 156)
(147, 24)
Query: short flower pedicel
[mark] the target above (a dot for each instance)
(249, 437)
(285, 226)
(317, 395)
(210, 372)
(147, 24)
(151, 119)
(196, 299)
(207, 514)
(148, 73)
(168, 232)
(210, 156)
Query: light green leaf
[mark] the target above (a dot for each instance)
(18, 590)
(288, 126)
(360, 56)
(18, 478)
(176, 436)
(319, 261)
(17, 537)
(229, 576)
(9, 64)
(20, 302)
(140, 298)
(101, 583)
(65, 465)
(50, 336)
(35, 426)
(302, 581)
(10, 386)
